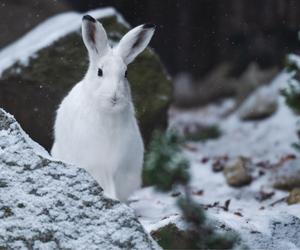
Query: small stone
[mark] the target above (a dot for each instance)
(175, 194)
(294, 197)
(20, 205)
(287, 175)
(264, 195)
(3, 184)
(237, 172)
(219, 163)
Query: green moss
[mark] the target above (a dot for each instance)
(170, 237)
(151, 91)
(292, 98)
(290, 65)
(54, 70)
(165, 163)
(292, 92)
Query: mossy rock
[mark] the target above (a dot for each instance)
(204, 133)
(32, 92)
(171, 237)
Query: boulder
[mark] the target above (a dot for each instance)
(220, 83)
(261, 104)
(46, 204)
(237, 172)
(283, 233)
(287, 175)
(52, 58)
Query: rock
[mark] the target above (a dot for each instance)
(202, 133)
(46, 204)
(184, 90)
(214, 86)
(283, 233)
(171, 236)
(237, 172)
(287, 176)
(254, 77)
(219, 163)
(220, 83)
(206, 118)
(261, 104)
(294, 197)
(40, 81)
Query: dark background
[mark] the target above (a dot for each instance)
(193, 35)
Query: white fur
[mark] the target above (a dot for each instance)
(95, 126)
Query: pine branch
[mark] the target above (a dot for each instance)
(167, 167)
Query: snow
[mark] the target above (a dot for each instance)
(262, 224)
(295, 59)
(269, 139)
(51, 30)
(154, 209)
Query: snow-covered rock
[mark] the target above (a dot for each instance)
(287, 175)
(207, 116)
(46, 204)
(261, 104)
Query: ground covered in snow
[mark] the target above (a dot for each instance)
(258, 211)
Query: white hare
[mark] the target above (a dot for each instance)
(95, 126)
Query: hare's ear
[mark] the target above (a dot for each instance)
(135, 41)
(94, 36)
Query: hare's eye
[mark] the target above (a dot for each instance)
(100, 72)
(126, 73)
